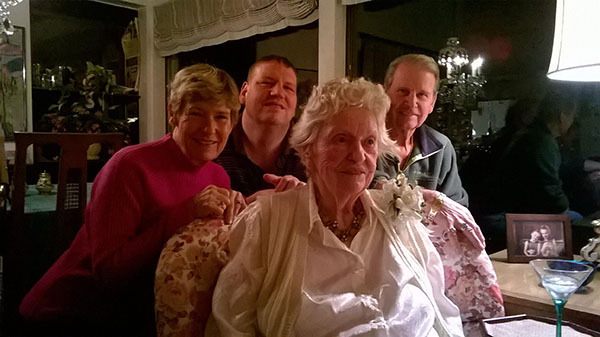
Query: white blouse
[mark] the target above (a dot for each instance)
(361, 290)
(289, 276)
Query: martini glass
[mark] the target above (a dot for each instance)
(560, 278)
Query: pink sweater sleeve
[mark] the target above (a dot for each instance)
(123, 241)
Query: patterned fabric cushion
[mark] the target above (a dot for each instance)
(470, 278)
(186, 274)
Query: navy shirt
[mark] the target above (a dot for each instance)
(247, 177)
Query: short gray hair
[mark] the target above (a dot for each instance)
(421, 60)
(333, 97)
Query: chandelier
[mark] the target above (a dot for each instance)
(459, 88)
(6, 27)
(457, 96)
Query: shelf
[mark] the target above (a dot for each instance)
(127, 106)
(59, 90)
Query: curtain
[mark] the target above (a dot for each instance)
(184, 25)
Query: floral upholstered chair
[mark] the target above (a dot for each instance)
(191, 260)
(186, 274)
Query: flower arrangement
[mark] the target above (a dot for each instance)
(405, 200)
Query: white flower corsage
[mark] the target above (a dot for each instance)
(405, 200)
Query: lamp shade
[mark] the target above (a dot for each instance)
(576, 48)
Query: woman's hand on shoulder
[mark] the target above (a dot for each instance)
(218, 202)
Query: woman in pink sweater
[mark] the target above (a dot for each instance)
(103, 284)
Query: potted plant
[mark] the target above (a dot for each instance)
(83, 107)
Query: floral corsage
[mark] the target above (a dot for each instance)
(406, 201)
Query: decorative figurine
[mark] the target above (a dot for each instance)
(44, 183)
(591, 251)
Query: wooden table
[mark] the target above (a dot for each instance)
(523, 294)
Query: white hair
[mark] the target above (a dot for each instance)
(333, 97)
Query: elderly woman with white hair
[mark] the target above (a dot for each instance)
(332, 258)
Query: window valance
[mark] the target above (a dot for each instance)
(183, 25)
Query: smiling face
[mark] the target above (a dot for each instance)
(269, 95)
(342, 160)
(413, 95)
(545, 232)
(201, 130)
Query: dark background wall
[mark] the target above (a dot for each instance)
(515, 37)
(71, 32)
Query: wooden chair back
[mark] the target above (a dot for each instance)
(71, 191)
(25, 259)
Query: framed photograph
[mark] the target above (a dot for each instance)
(534, 236)
(13, 93)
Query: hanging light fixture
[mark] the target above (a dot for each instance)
(459, 87)
(576, 48)
(453, 57)
(457, 95)
(6, 27)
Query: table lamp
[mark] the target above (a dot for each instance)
(576, 47)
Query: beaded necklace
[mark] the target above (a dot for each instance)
(348, 234)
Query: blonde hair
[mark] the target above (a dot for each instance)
(420, 60)
(333, 97)
(206, 83)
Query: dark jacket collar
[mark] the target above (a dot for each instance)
(427, 142)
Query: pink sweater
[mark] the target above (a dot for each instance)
(139, 199)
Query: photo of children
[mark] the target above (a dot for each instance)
(538, 240)
(533, 246)
(534, 236)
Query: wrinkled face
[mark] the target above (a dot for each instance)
(201, 130)
(269, 95)
(413, 95)
(342, 160)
